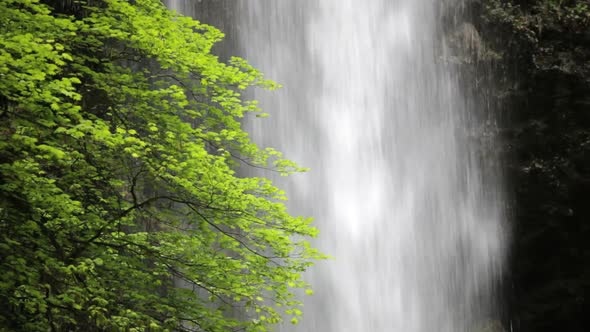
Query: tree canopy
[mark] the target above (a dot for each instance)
(120, 206)
(543, 84)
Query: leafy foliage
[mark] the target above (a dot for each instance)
(120, 207)
(545, 48)
(546, 35)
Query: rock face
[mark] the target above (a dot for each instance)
(468, 45)
(544, 77)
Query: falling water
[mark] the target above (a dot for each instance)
(406, 202)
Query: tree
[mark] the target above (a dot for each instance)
(120, 207)
(544, 86)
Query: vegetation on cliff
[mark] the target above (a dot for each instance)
(543, 84)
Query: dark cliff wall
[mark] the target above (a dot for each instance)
(541, 57)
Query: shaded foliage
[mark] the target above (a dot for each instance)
(543, 83)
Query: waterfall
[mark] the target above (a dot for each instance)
(406, 203)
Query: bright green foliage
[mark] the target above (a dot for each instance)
(120, 209)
